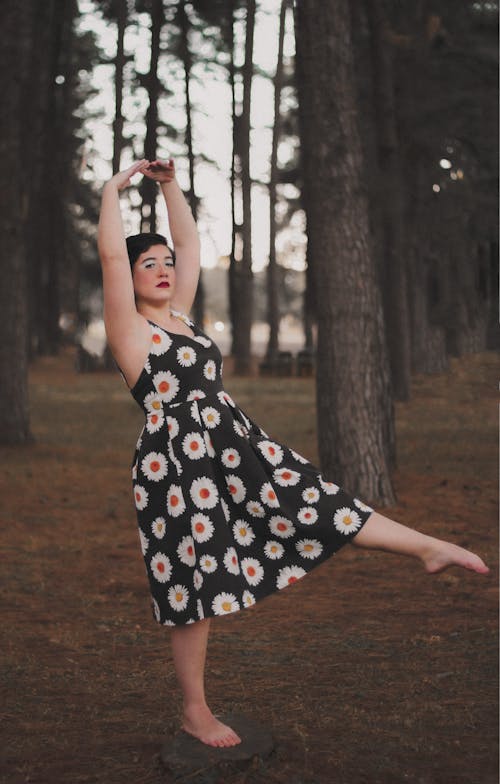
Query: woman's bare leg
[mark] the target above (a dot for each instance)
(189, 649)
(382, 533)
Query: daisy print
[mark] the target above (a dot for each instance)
(144, 541)
(329, 487)
(248, 599)
(208, 563)
(243, 533)
(271, 451)
(231, 561)
(156, 609)
(161, 567)
(134, 471)
(140, 497)
(255, 509)
(239, 429)
(225, 397)
(286, 477)
(289, 575)
(173, 426)
(268, 496)
(175, 501)
(195, 412)
(147, 366)
(199, 609)
(210, 416)
(309, 548)
(193, 446)
(202, 527)
(152, 403)
(154, 466)
(273, 550)
(209, 370)
(167, 385)
(236, 488)
(160, 342)
(158, 527)
(362, 506)
(252, 569)
(346, 520)
(225, 603)
(230, 458)
(307, 515)
(208, 444)
(204, 493)
(197, 579)
(185, 551)
(281, 527)
(225, 509)
(196, 394)
(205, 342)
(186, 356)
(298, 457)
(310, 495)
(154, 421)
(178, 596)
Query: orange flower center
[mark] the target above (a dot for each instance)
(156, 404)
(174, 500)
(251, 571)
(154, 465)
(194, 445)
(281, 526)
(190, 550)
(204, 492)
(286, 475)
(154, 419)
(243, 531)
(199, 528)
(271, 494)
(308, 547)
(160, 566)
(272, 450)
(347, 520)
(226, 606)
(232, 489)
(291, 579)
(164, 386)
(178, 597)
(156, 338)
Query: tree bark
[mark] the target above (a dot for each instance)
(149, 189)
(120, 60)
(354, 403)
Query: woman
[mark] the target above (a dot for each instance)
(226, 515)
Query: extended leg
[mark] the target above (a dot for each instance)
(382, 533)
(189, 648)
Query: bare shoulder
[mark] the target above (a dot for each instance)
(130, 345)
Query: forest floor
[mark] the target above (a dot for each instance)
(369, 671)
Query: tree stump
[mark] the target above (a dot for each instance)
(185, 755)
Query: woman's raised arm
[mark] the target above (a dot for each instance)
(184, 233)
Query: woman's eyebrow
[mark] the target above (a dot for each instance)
(152, 258)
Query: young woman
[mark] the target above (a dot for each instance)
(226, 514)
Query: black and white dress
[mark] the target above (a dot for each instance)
(226, 514)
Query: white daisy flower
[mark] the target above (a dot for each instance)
(195, 412)
(298, 457)
(362, 506)
(152, 403)
(239, 429)
(209, 370)
(166, 384)
(196, 394)
(161, 567)
(202, 527)
(199, 609)
(185, 551)
(173, 426)
(289, 575)
(309, 548)
(225, 509)
(231, 561)
(175, 501)
(252, 570)
(173, 458)
(134, 471)
(160, 341)
(243, 533)
(144, 541)
(154, 421)
(346, 520)
(268, 496)
(208, 444)
(205, 342)
(281, 526)
(329, 487)
(248, 598)
(230, 458)
(310, 495)
(158, 527)
(168, 622)
(154, 466)
(255, 509)
(193, 446)
(204, 493)
(307, 515)
(210, 416)
(271, 451)
(274, 550)
(236, 488)
(197, 579)
(156, 609)
(178, 596)
(226, 398)
(140, 497)
(147, 366)
(186, 356)
(208, 563)
(225, 603)
(286, 477)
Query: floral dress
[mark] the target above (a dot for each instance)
(227, 515)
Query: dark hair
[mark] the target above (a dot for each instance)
(138, 243)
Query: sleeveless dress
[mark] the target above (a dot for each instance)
(227, 515)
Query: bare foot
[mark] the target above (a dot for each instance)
(201, 722)
(439, 555)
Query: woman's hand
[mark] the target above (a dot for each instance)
(160, 171)
(122, 179)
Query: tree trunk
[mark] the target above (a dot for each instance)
(149, 189)
(354, 404)
(273, 315)
(120, 60)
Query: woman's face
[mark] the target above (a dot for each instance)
(153, 275)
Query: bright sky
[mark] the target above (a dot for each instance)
(211, 99)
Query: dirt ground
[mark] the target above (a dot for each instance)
(368, 671)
